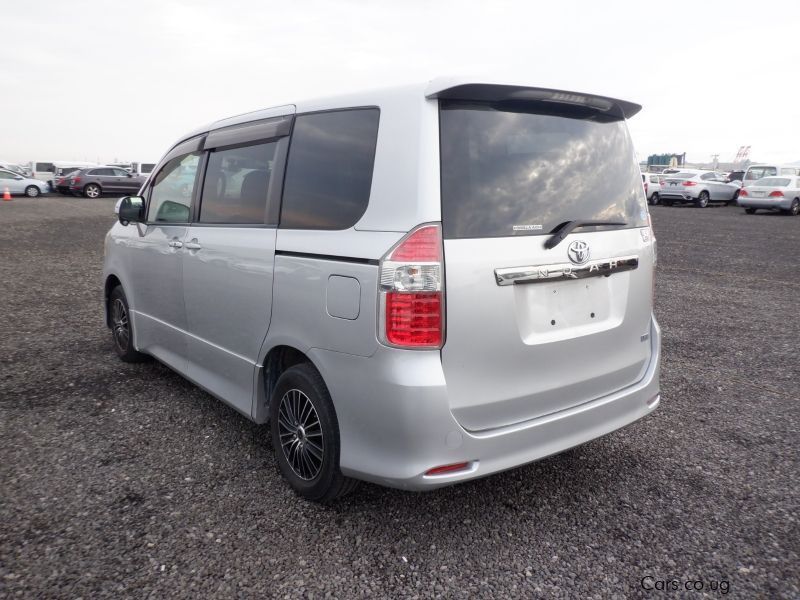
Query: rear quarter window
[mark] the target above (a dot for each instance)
(329, 169)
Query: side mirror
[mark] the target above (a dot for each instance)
(130, 174)
(130, 209)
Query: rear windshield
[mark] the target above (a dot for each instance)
(510, 173)
(758, 172)
(682, 175)
(773, 181)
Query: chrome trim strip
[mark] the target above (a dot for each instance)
(565, 271)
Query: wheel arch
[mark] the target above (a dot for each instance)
(278, 359)
(112, 281)
(99, 187)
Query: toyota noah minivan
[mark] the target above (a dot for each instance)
(415, 286)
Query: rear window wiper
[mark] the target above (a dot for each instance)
(563, 230)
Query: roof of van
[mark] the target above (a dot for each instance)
(454, 88)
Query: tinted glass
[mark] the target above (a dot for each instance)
(708, 176)
(759, 172)
(6, 175)
(236, 184)
(520, 173)
(788, 171)
(44, 166)
(773, 181)
(147, 167)
(172, 190)
(329, 170)
(120, 172)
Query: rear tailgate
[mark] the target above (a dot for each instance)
(531, 330)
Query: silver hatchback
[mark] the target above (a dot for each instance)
(410, 285)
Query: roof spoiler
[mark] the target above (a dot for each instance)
(485, 92)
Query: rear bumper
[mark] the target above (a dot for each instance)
(395, 422)
(766, 203)
(678, 196)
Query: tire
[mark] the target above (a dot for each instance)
(92, 190)
(121, 327)
(702, 200)
(307, 444)
(750, 211)
(32, 191)
(794, 209)
(654, 199)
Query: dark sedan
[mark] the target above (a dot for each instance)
(95, 181)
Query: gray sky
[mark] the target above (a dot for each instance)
(92, 80)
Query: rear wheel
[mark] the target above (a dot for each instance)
(305, 435)
(32, 191)
(750, 211)
(702, 200)
(654, 199)
(121, 326)
(92, 191)
(794, 209)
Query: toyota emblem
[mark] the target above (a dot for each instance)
(578, 252)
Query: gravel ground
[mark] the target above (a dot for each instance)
(125, 480)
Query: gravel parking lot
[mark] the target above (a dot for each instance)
(126, 480)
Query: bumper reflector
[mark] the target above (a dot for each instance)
(448, 468)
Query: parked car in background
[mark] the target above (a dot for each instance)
(697, 187)
(47, 170)
(13, 167)
(735, 177)
(94, 182)
(302, 278)
(19, 184)
(772, 193)
(652, 187)
(756, 172)
(61, 182)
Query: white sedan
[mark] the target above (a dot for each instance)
(772, 193)
(17, 184)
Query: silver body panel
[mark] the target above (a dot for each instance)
(758, 195)
(508, 387)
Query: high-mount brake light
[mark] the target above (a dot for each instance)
(410, 292)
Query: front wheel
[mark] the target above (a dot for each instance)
(32, 191)
(121, 328)
(92, 191)
(750, 211)
(654, 199)
(305, 435)
(702, 200)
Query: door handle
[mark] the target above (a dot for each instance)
(193, 245)
(175, 244)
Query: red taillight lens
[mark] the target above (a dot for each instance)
(743, 192)
(76, 180)
(414, 319)
(689, 183)
(447, 468)
(661, 181)
(776, 194)
(411, 291)
(645, 187)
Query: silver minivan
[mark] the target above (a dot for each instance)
(415, 286)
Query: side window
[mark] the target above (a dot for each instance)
(769, 171)
(4, 175)
(329, 169)
(120, 172)
(103, 172)
(44, 166)
(236, 184)
(707, 176)
(172, 190)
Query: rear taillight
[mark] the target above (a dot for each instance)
(645, 187)
(743, 192)
(661, 181)
(689, 183)
(76, 180)
(776, 194)
(410, 293)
